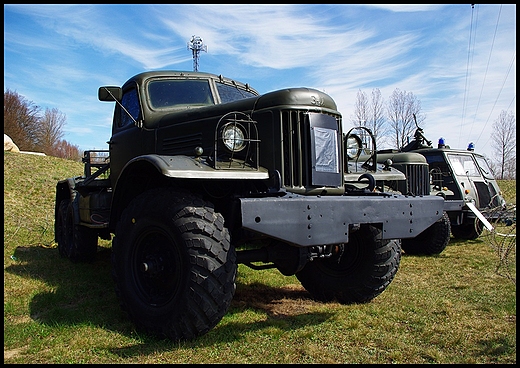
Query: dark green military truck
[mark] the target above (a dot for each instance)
(202, 174)
(399, 172)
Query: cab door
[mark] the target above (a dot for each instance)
(469, 178)
(126, 141)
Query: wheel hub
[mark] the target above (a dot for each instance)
(152, 265)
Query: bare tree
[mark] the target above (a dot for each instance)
(32, 132)
(504, 144)
(377, 121)
(21, 118)
(402, 107)
(50, 131)
(370, 114)
(68, 151)
(360, 110)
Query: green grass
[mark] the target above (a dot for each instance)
(451, 308)
(508, 189)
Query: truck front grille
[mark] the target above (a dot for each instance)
(418, 179)
(295, 139)
(487, 195)
(181, 145)
(296, 150)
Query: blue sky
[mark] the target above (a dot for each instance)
(459, 61)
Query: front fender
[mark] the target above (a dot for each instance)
(142, 172)
(185, 167)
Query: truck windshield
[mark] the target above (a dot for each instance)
(165, 93)
(463, 165)
(484, 167)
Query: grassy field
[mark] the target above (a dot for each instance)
(450, 308)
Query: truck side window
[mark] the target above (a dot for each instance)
(131, 103)
(438, 162)
(231, 93)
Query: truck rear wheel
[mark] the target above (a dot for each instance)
(75, 242)
(431, 241)
(359, 270)
(173, 265)
(470, 230)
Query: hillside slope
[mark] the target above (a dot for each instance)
(29, 194)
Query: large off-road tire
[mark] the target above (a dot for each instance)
(59, 226)
(358, 272)
(173, 265)
(431, 241)
(470, 230)
(75, 242)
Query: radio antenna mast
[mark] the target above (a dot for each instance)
(196, 45)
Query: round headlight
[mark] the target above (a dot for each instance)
(353, 146)
(233, 137)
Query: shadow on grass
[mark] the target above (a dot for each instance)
(495, 347)
(465, 242)
(286, 309)
(454, 242)
(227, 332)
(83, 295)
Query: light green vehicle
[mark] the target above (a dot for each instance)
(473, 197)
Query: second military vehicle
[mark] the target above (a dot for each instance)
(398, 172)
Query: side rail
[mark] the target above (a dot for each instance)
(97, 163)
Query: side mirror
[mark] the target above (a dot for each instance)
(108, 93)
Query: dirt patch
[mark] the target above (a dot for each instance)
(283, 302)
(9, 354)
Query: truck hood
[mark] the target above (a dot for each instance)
(307, 98)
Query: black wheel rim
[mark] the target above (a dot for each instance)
(157, 268)
(345, 259)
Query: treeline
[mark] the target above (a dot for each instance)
(37, 131)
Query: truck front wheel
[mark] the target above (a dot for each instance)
(358, 271)
(75, 242)
(173, 265)
(431, 241)
(469, 230)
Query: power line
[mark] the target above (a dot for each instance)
(468, 68)
(499, 92)
(487, 66)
